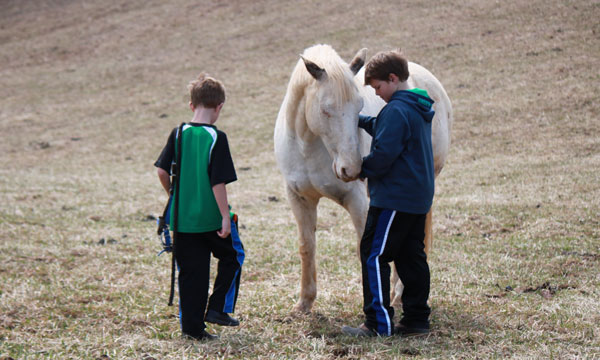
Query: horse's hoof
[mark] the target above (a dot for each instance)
(301, 309)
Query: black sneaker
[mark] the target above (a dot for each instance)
(405, 331)
(361, 331)
(220, 318)
(204, 335)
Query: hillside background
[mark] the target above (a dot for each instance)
(89, 91)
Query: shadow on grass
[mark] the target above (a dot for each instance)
(317, 325)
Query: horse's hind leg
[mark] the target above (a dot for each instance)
(397, 288)
(428, 233)
(305, 211)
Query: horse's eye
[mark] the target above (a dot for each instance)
(326, 113)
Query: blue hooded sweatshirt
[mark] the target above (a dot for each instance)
(399, 167)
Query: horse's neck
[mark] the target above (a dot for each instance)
(372, 104)
(296, 118)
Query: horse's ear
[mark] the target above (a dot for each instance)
(358, 61)
(314, 69)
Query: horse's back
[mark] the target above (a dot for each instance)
(442, 121)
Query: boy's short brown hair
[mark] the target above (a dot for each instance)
(206, 91)
(385, 63)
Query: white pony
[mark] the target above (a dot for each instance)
(318, 144)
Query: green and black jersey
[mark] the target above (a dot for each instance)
(205, 162)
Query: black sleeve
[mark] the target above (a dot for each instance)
(221, 169)
(167, 154)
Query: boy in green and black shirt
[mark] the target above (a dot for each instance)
(203, 222)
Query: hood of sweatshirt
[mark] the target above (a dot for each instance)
(419, 99)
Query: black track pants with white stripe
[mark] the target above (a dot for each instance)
(394, 236)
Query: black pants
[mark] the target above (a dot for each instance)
(394, 236)
(193, 259)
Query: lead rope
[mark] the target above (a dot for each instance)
(175, 172)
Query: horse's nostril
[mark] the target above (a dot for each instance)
(344, 173)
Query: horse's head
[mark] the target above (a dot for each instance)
(332, 106)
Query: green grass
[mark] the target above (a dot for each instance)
(89, 93)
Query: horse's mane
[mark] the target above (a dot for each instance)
(337, 71)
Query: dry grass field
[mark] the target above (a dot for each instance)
(89, 91)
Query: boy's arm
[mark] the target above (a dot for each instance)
(366, 122)
(221, 171)
(221, 196)
(165, 179)
(388, 143)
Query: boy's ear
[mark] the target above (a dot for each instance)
(219, 107)
(394, 78)
(191, 106)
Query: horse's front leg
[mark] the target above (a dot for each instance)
(305, 211)
(357, 204)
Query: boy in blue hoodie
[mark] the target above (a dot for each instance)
(400, 174)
